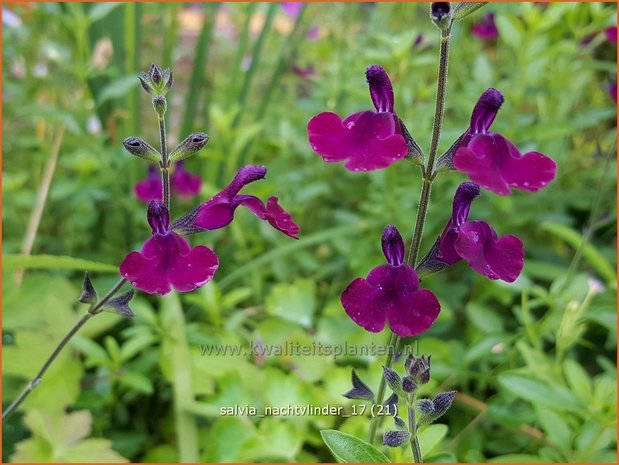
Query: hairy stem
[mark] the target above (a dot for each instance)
(424, 200)
(92, 311)
(165, 163)
(412, 427)
(393, 343)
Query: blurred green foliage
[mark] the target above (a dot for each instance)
(534, 362)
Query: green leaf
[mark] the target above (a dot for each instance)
(429, 437)
(137, 382)
(538, 391)
(590, 253)
(516, 458)
(53, 262)
(293, 302)
(463, 9)
(350, 449)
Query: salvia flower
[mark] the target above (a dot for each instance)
(494, 162)
(166, 260)
(182, 183)
(219, 210)
(391, 293)
(485, 28)
(611, 34)
(476, 242)
(364, 141)
(150, 188)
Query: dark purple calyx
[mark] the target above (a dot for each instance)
(485, 111)
(440, 10)
(381, 90)
(158, 217)
(393, 246)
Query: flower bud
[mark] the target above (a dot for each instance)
(418, 368)
(393, 380)
(139, 148)
(160, 105)
(431, 409)
(395, 438)
(408, 385)
(156, 81)
(440, 13)
(190, 146)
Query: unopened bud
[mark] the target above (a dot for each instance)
(190, 146)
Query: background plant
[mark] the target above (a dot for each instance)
(506, 349)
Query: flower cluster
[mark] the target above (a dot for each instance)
(167, 261)
(371, 140)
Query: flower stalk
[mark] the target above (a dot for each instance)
(428, 176)
(94, 309)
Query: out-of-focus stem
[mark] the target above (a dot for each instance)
(92, 311)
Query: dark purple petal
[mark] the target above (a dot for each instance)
(393, 246)
(151, 188)
(167, 261)
(485, 111)
(611, 33)
(184, 183)
(393, 280)
(219, 210)
(391, 294)
(381, 90)
(246, 174)
(414, 314)
(280, 219)
(365, 141)
(612, 91)
(486, 28)
(495, 163)
(158, 217)
(495, 258)
(272, 212)
(461, 206)
(364, 305)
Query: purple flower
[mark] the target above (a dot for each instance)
(151, 188)
(477, 243)
(166, 260)
(492, 161)
(611, 33)
(219, 210)
(367, 140)
(612, 91)
(485, 28)
(292, 9)
(391, 293)
(184, 183)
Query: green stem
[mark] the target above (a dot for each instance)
(92, 311)
(412, 427)
(165, 163)
(424, 200)
(393, 343)
(439, 110)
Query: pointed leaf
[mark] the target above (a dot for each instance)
(350, 449)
